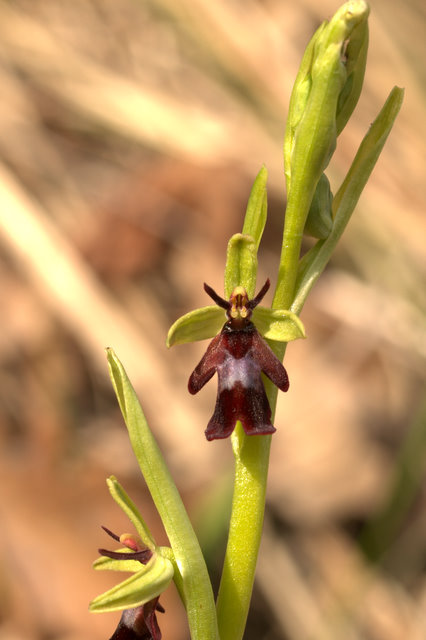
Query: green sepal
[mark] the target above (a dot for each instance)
(103, 563)
(145, 585)
(319, 222)
(199, 324)
(257, 208)
(241, 264)
(131, 511)
(278, 324)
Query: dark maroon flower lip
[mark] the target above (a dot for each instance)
(139, 623)
(239, 355)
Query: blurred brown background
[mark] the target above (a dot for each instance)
(131, 132)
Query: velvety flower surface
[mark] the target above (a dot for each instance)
(139, 623)
(239, 355)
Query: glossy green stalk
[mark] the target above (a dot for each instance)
(245, 531)
(193, 580)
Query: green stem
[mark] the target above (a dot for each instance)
(292, 242)
(245, 529)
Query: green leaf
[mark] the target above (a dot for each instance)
(257, 207)
(196, 325)
(150, 459)
(367, 155)
(241, 264)
(278, 324)
(130, 509)
(143, 586)
(194, 580)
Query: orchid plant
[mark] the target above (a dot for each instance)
(248, 340)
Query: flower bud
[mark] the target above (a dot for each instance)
(326, 88)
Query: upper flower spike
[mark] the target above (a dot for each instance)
(239, 355)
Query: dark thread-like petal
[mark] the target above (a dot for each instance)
(258, 299)
(215, 297)
(142, 556)
(111, 534)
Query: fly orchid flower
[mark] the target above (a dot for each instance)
(138, 623)
(137, 596)
(239, 355)
(238, 352)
